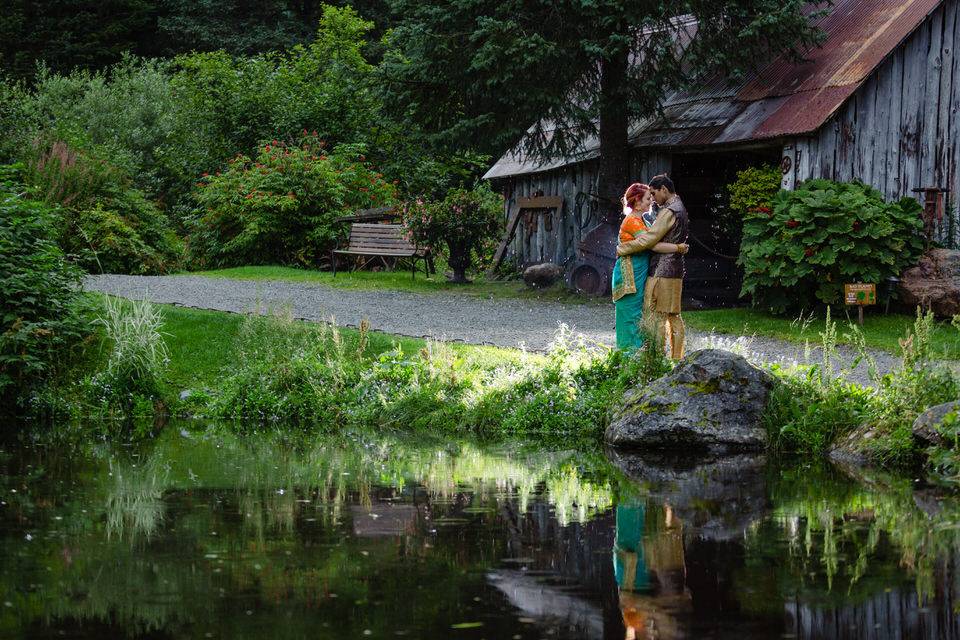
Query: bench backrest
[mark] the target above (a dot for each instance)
(383, 238)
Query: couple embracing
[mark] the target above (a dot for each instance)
(648, 275)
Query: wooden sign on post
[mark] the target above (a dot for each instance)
(860, 294)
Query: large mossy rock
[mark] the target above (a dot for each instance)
(934, 283)
(713, 400)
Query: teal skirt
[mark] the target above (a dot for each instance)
(629, 308)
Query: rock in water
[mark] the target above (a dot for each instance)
(542, 275)
(717, 497)
(934, 283)
(712, 400)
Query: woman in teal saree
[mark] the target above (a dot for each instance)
(630, 272)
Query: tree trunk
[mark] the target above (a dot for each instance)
(459, 260)
(614, 169)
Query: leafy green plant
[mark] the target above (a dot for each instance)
(754, 190)
(822, 235)
(466, 222)
(39, 306)
(282, 205)
(131, 381)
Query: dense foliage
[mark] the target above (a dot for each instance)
(754, 190)
(65, 34)
(801, 252)
(466, 222)
(104, 221)
(282, 205)
(39, 314)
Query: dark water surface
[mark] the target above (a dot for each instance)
(210, 535)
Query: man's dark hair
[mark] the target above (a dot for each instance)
(662, 180)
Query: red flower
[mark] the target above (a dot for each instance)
(856, 225)
(808, 251)
(205, 174)
(267, 148)
(792, 224)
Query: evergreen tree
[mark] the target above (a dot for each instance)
(479, 74)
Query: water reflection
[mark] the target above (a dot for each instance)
(375, 536)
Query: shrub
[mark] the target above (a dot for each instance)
(282, 206)
(822, 235)
(39, 309)
(130, 113)
(103, 220)
(466, 222)
(754, 189)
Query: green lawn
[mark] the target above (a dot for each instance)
(880, 331)
(201, 343)
(400, 281)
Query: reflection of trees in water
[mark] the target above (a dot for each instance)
(201, 516)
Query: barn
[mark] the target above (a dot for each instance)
(877, 101)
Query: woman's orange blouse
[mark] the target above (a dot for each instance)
(630, 227)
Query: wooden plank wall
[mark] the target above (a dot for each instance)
(899, 131)
(560, 244)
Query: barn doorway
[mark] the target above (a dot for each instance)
(712, 277)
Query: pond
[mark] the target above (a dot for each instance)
(212, 535)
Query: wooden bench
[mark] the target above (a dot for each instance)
(386, 243)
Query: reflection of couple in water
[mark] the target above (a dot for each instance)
(652, 241)
(648, 562)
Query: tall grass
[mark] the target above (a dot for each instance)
(813, 407)
(131, 380)
(287, 372)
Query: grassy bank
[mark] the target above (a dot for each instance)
(271, 370)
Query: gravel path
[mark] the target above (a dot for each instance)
(443, 316)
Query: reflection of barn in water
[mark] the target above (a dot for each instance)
(876, 102)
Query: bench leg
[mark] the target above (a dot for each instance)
(333, 263)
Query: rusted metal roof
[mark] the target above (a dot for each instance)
(785, 98)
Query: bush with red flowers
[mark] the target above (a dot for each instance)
(800, 253)
(281, 206)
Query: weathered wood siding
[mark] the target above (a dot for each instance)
(899, 131)
(560, 244)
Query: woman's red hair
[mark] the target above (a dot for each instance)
(634, 192)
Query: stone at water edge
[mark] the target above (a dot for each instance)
(925, 426)
(853, 449)
(542, 275)
(934, 283)
(712, 400)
